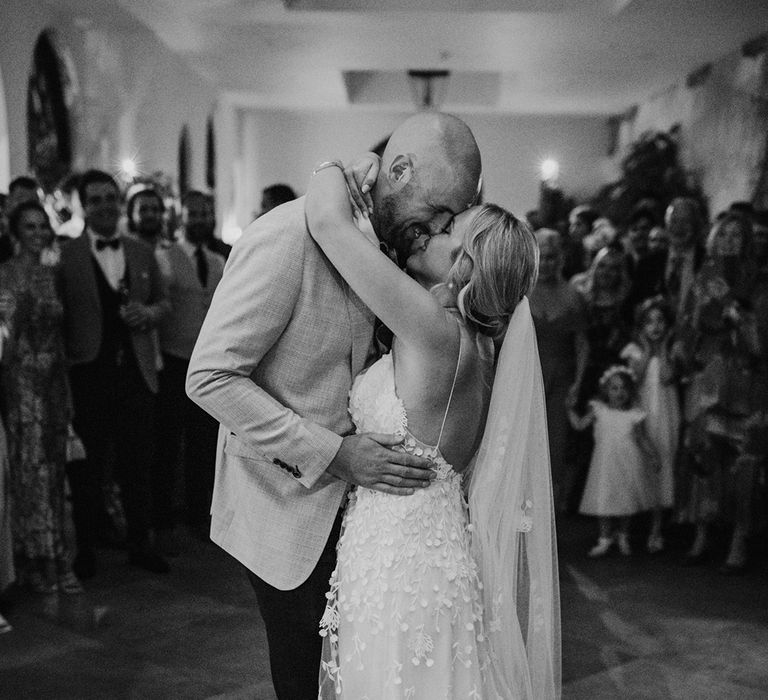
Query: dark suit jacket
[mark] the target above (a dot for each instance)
(649, 279)
(82, 306)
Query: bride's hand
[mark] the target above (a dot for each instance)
(361, 175)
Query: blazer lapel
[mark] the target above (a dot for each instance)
(84, 267)
(361, 321)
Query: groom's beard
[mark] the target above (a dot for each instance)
(394, 235)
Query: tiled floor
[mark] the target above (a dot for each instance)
(643, 627)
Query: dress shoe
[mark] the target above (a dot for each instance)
(601, 548)
(622, 540)
(655, 544)
(736, 563)
(84, 564)
(148, 559)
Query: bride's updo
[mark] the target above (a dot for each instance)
(496, 267)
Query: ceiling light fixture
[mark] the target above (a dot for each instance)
(428, 87)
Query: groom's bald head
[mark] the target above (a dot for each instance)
(430, 171)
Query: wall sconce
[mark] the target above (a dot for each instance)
(428, 87)
(550, 171)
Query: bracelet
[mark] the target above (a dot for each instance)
(329, 164)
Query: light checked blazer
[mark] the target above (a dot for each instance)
(275, 359)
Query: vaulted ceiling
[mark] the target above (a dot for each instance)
(513, 56)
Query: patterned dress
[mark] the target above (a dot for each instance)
(37, 402)
(404, 614)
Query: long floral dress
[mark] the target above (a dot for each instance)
(36, 397)
(719, 334)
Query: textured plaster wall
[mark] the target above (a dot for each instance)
(723, 127)
(130, 96)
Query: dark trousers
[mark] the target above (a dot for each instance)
(292, 620)
(114, 415)
(181, 422)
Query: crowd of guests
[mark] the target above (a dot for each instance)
(653, 338)
(97, 325)
(654, 348)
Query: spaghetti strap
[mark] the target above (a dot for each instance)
(453, 386)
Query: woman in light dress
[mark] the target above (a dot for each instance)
(649, 359)
(422, 603)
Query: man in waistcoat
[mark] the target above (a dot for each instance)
(113, 299)
(191, 272)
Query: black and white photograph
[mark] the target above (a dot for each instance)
(384, 350)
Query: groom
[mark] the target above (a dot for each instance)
(274, 362)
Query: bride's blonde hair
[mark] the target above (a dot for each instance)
(495, 268)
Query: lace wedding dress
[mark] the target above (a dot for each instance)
(404, 617)
(407, 617)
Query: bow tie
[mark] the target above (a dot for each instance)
(102, 243)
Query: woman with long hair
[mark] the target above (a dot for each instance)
(37, 402)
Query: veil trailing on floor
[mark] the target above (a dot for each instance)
(513, 527)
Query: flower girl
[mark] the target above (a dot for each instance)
(619, 483)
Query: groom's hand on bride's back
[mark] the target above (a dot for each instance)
(369, 460)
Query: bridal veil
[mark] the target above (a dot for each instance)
(513, 527)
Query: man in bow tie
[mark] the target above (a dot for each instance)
(113, 299)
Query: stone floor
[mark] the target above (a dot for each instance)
(638, 627)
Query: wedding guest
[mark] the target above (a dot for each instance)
(658, 240)
(580, 222)
(684, 224)
(198, 211)
(647, 265)
(719, 346)
(603, 233)
(639, 226)
(21, 189)
(619, 484)
(191, 273)
(560, 316)
(113, 300)
(605, 287)
(145, 211)
(37, 404)
(648, 357)
(275, 195)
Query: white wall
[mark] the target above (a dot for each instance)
(722, 128)
(283, 146)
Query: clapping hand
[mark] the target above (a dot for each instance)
(369, 460)
(136, 316)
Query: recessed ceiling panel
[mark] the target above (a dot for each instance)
(466, 88)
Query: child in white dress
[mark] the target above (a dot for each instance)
(657, 395)
(619, 482)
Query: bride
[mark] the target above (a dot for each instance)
(434, 596)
